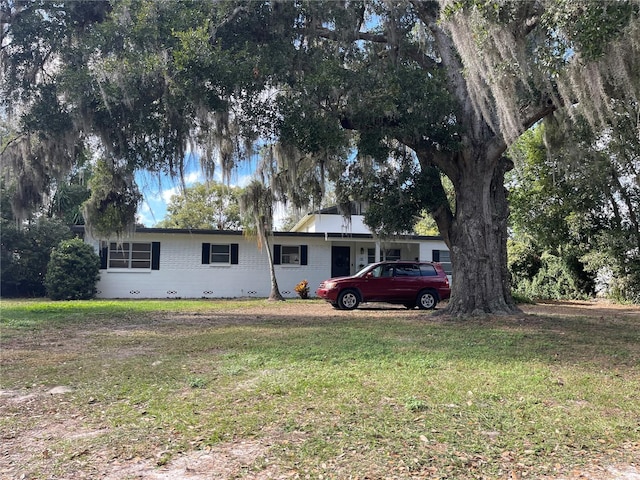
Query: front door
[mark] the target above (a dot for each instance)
(340, 261)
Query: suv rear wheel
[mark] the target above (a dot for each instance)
(348, 300)
(427, 300)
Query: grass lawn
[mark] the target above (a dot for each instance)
(251, 389)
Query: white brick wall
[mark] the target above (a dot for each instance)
(182, 275)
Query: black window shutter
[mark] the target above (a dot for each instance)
(303, 254)
(104, 255)
(206, 253)
(276, 254)
(436, 255)
(234, 254)
(155, 255)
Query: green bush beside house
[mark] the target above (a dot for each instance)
(73, 271)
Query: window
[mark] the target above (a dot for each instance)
(290, 254)
(428, 271)
(392, 254)
(407, 271)
(389, 255)
(220, 253)
(382, 271)
(131, 255)
(444, 258)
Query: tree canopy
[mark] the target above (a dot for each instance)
(340, 89)
(204, 206)
(575, 196)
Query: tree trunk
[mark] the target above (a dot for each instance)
(477, 237)
(274, 294)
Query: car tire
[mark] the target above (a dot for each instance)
(335, 305)
(427, 300)
(348, 300)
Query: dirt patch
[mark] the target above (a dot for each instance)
(239, 459)
(223, 462)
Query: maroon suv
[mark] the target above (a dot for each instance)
(408, 283)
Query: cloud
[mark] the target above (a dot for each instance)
(166, 195)
(242, 181)
(145, 215)
(193, 177)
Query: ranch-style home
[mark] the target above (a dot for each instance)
(177, 263)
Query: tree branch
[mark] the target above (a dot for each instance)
(543, 111)
(11, 142)
(329, 34)
(230, 18)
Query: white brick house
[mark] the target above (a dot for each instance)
(174, 263)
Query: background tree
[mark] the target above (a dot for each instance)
(204, 205)
(25, 249)
(113, 201)
(41, 45)
(456, 82)
(554, 216)
(575, 203)
(70, 192)
(291, 218)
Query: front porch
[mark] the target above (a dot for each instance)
(348, 257)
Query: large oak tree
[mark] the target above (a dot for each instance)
(446, 86)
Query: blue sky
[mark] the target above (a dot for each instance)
(157, 190)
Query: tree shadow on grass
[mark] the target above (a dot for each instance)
(557, 334)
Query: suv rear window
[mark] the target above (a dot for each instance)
(428, 271)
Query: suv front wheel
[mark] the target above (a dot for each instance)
(348, 300)
(427, 300)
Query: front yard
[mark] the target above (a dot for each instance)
(256, 390)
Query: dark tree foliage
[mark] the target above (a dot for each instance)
(574, 207)
(25, 250)
(453, 82)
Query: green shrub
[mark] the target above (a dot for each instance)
(523, 261)
(73, 271)
(625, 286)
(557, 279)
(544, 275)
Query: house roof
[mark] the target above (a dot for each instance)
(80, 229)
